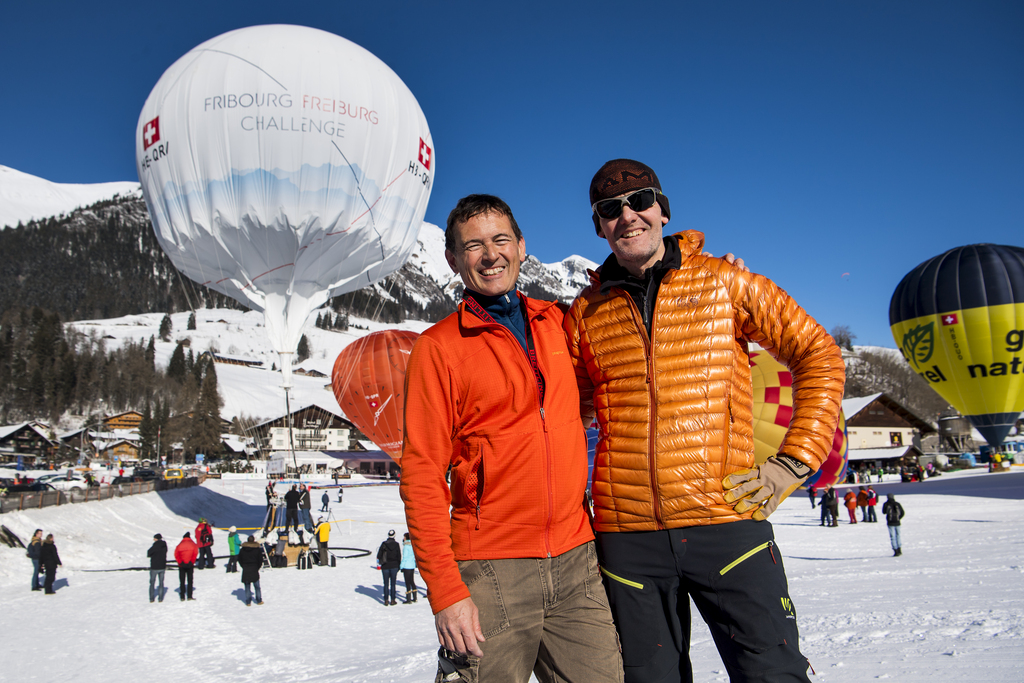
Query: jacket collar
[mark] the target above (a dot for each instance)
(687, 243)
(534, 308)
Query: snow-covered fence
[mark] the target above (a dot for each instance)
(32, 499)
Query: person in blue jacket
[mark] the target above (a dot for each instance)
(408, 568)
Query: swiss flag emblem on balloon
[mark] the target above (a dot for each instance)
(425, 154)
(369, 383)
(151, 133)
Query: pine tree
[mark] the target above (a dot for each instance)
(303, 352)
(319, 321)
(151, 352)
(147, 434)
(176, 369)
(161, 416)
(204, 431)
(190, 363)
(192, 321)
(165, 328)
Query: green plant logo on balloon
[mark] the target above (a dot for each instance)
(919, 343)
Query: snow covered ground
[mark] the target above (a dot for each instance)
(950, 609)
(255, 392)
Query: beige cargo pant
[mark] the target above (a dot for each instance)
(549, 616)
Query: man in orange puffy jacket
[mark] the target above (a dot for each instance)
(659, 342)
(506, 550)
(185, 555)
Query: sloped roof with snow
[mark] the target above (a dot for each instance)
(852, 406)
(882, 453)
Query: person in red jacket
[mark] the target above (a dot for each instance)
(204, 539)
(506, 550)
(185, 555)
(850, 500)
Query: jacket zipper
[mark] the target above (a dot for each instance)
(727, 429)
(479, 489)
(747, 555)
(652, 422)
(547, 449)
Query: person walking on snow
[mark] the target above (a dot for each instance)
(185, 555)
(35, 546)
(862, 503)
(305, 505)
(872, 502)
(157, 555)
(893, 512)
(811, 493)
(850, 501)
(323, 533)
(325, 501)
(233, 546)
(250, 556)
(204, 539)
(50, 560)
(291, 502)
(270, 495)
(408, 568)
(389, 559)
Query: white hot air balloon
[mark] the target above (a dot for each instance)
(283, 165)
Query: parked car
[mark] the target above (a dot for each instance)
(30, 488)
(174, 473)
(144, 474)
(65, 484)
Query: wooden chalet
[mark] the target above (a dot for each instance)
(313, 429)
(122, 449)
(883, 433)
(129, 420)
(25, 439)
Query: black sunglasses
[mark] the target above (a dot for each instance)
(641, 200)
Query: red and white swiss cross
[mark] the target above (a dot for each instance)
(949, 319)
(426, 154)
(150, 133)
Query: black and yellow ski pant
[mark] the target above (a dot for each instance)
(735, 576)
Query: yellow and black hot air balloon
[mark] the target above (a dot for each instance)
(958, 319)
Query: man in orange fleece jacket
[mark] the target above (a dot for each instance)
(506, 550)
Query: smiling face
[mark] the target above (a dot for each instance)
(487, 254)
(635, 238)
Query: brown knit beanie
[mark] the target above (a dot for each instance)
(620, 176)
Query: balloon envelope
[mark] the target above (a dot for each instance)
(282, 165)
(772, 411)
(368, 381)
(958, 319)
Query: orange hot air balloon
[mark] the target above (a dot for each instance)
(368, 381)
(772, 410)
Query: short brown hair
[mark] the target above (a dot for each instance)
(474, 205)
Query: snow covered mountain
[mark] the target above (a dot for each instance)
(25, 197)
(112, 265)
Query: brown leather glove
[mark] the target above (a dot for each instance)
(764, 487)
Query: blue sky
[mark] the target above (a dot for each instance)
(812, 138)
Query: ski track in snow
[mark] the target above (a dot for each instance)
(950, 609)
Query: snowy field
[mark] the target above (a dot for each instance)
(950, 609)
